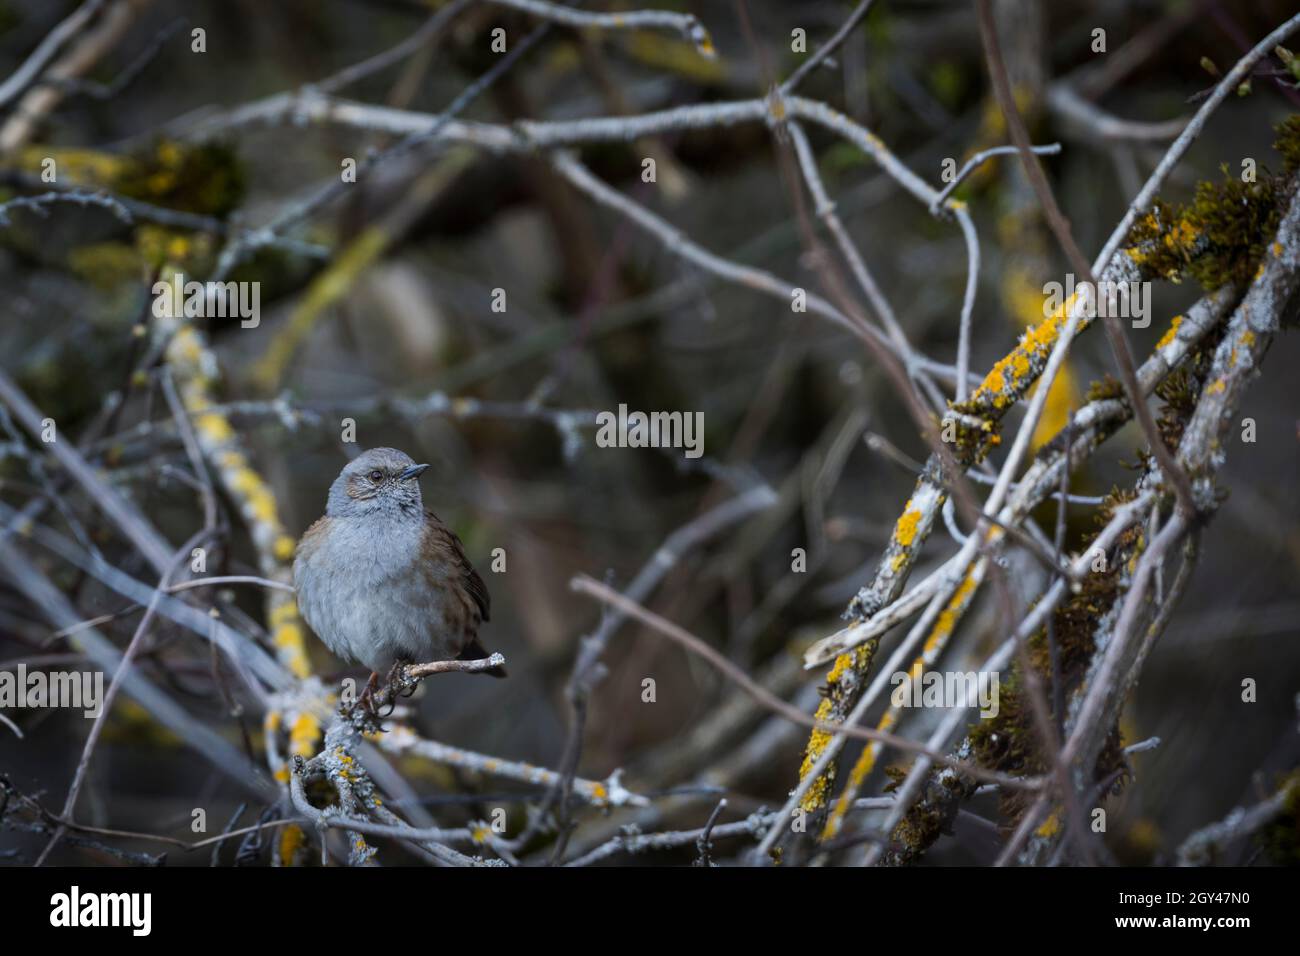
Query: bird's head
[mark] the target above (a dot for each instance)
(376, 481)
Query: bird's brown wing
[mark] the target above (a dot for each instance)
(446, 542)
(451, 544)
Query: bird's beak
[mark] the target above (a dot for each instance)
(413, 472)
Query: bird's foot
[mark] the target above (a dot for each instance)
(403, 686)
(366, 713)
(396, 684)
(364, 706)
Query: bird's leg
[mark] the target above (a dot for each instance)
(395, 672)
(394, 684)
(403, 685)
(367, 698)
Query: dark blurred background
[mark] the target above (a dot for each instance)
(599, 313)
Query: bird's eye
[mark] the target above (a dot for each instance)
(376, 475)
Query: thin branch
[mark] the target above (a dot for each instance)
(827, 48)
(1061, 229)
(586, 585)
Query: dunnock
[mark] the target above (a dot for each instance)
(381, 580)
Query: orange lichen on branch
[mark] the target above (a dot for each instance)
(1013, 374)
(1223, 235)
(930, 651)
(195, 368)
(1171, 333)
(815, 798)
(1027, 303)
(905, 530)
(1051, 826)
(866, 763)
(1006, 383)
(291, 845)
(845, 673)
(304, 733)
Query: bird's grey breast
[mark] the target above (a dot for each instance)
(356, 587)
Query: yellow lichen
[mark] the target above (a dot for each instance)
(1062, 397)
(291, 840)
(837, 670)
(284, 547)
(1011, 373)
(1051, 826)
(261, 505)
(1181, 236)
(905, 532)
(303, 734)
(948, 617)
(281, 614)
(213, 428)
(818, 741)
(1172, 332)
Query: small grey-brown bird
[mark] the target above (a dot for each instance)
(381, 580)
